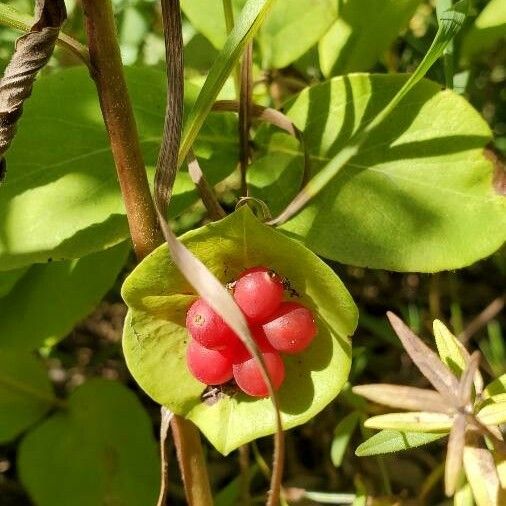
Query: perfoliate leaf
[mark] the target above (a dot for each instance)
(388, 441)
(342, 436)
(409, 398)
(482, 476)
(25, 393)
(412, 422)
(494, 410)
(155, 336)
(100, 450)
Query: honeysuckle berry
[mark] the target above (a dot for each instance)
(291, 328)
(246, 369)
(211, 367)
(258, 292)
(207, 327)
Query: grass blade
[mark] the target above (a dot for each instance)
(245, 28)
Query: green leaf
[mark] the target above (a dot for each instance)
(496, 387)
(65, 203)
(9, 278)
(463, 495)
(25, 393)
(450, 349)
(292, 28)
(53, 297)
(493, 411)
(388, 441)
(417, 197)
(245, 28)
(100, 450)
(412, 422)
(342, 436)
(488, 29)
(351, 44)
(155, 337)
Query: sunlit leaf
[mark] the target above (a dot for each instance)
(388, 441)
(412, 422)
(100, 450)
(350, 45)
(498, 386)
(450, 349)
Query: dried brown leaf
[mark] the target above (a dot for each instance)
(466, 381)
(402, 397)
(427, 361)
(454, 454)
(32, 52)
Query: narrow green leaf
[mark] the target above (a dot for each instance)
(25, 393)
(450, 349)
(412, 422)
(463, 495)
(342, 436)
(245, 28)
(498, 386)
(388, 441)
(98, 451)
(494, 410)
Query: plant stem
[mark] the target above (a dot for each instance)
(107, 72)
(191, 462)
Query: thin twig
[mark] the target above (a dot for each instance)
(489, 313)
(205, 190)
(166, 417)
(245, 112)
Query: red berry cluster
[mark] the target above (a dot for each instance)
(215, 355)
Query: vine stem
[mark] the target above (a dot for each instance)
(117, 111)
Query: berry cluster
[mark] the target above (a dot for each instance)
(215, 353)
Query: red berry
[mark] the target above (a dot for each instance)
(291, 328)
(247, 372)
(207, 327)
(258, 292)
(212, 367)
